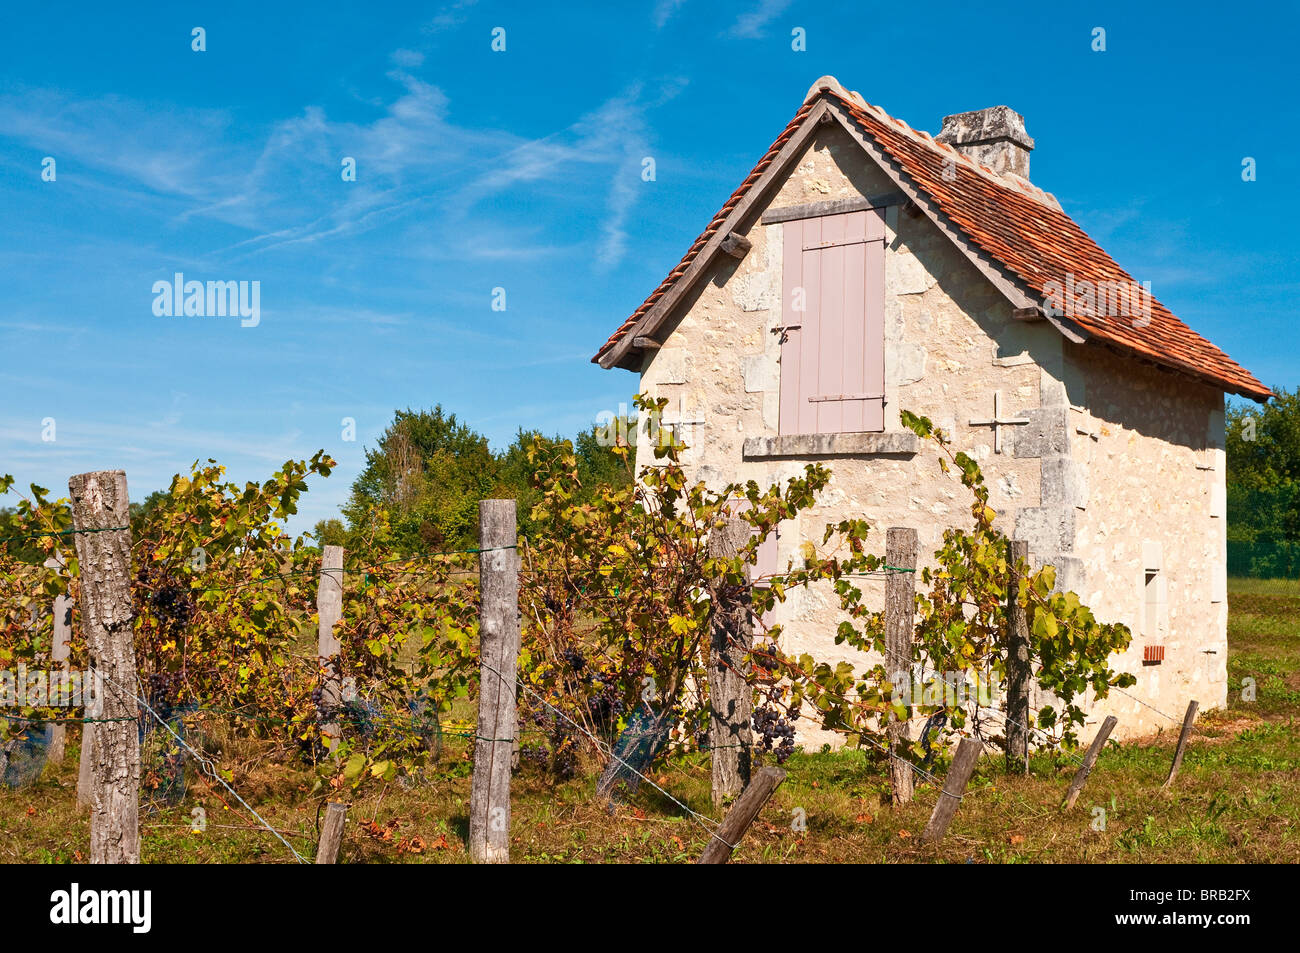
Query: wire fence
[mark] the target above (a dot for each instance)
(167, 721)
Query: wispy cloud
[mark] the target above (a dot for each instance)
(750, 25)
(286, 188)
(451, 15)
(407, 59)
(665, 10)
(171, 151)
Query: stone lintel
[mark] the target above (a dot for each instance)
(891, 443)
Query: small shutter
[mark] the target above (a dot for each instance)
(766, 565)
(765, 562)
(832, 354)
(793, 326)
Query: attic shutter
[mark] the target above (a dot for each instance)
(833, 351)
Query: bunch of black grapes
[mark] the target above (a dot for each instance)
(774, 726)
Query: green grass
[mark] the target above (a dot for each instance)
(1264, 644)
(1236, 800)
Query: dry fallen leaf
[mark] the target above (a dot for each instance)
(413, 846)
(904, 834)
(1017, 839)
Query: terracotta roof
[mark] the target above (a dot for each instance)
(1019, 226)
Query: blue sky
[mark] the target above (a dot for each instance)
(522, 170)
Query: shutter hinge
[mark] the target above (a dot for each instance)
(827, 397)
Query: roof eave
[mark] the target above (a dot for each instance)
(618, 354)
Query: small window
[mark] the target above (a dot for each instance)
(1151, 620)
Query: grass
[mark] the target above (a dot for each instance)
(1236, 800)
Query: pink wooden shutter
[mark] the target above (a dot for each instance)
(835, 347)
(794, 329)
(766, 565)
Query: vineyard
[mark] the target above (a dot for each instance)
(601, 688)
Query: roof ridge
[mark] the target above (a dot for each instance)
(1007, 180)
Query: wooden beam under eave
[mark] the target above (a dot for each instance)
(737, 246)
(643, 342)
(1028, 314)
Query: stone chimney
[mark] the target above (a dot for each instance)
(994, 137)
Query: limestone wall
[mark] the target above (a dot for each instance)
(951, 343)
(1152, 443)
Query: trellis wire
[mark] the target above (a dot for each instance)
(206, 765)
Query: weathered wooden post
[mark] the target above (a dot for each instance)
(1019, 669)
(329, 608)
(489, 800)
(741, 815)
(101, 517)
(331, 833)
(954, 786)
(731, 700)
(1089, 760)
(60, 649)
(900, 610)
(85, 777)
(1183, 737)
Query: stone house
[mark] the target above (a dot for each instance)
(863, 268)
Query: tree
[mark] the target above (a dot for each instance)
(330, 532)
(428, 473)
(1263, 453)
(422, 484)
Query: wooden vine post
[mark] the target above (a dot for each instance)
(85, 777)
(329, 608)
(489, 800)
(1090, 759)
(954, 786)
(1019, 669)
(331, 833)
(900, 609)
(101, 518)
(1183, 737)
(731, 700)
(60, 648)
(741, 815)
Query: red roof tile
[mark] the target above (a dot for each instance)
(1028, 235)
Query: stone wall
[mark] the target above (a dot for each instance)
(1152, 445)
